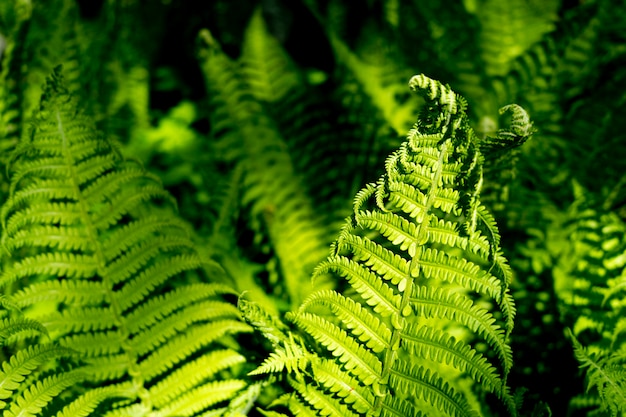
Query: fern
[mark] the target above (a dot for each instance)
(593, 307)
(506, 30)
(11, 76)
(410, 314)
(280, 210)
(425, 285)
(36, 378)
(101, 260)
(606, 376)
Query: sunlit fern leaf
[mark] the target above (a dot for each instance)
(10, 327)
(34, 399)
(289, 356)
(425, 285)
(98, 255)
(84, 405)
(24, 363)
(319, 403)
(272, 191)
(328, 374)
(244, 402)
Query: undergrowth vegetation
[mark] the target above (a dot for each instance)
(312, 207)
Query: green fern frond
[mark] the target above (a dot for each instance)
(36, 377)
(22, 327)
(11, 90)
(418, 382)
(106, 273)
(506, 31)
(265, 65)
(590, 300)
(34, 399)
(425, 282)
(290, 357)
(318, 402)
(607, 376)
(84, 405)
(272, 190)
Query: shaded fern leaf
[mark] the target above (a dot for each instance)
(98, 255)
(606, 376)
(508, 30)
(268, 69)
(502, 152)
(425, 285)
(272, 191)
(11, 90)
(318, 123)
(592, 300)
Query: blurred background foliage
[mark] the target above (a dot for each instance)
(264, 117)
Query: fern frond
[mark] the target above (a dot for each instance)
(606, 375)
(290, 357)
(33, 400)
(331, 376)
(193, 401)
(36, 377)
(430, 343)
(84, 405)
(361, 323)
(421, 260)
(419, 382)
(21, 327)
(506, 30)
(266, 66)
(272, 190)
(205, 367)
(592, 310)
(11, 76)
(323, 404)
(99, 257)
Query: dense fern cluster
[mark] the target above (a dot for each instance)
(174, 174)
